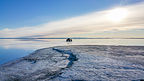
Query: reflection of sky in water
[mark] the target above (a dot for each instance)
(10, 54)
(14, 48)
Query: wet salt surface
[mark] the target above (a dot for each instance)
(104, 63)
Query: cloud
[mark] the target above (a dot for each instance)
(88, 23)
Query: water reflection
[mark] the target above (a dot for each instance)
(28, 44)
(32, 44)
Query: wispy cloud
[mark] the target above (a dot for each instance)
(89, 23)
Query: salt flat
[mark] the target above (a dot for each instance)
(78, 63)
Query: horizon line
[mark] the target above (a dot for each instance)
(71, 38)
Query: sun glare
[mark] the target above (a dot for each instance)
(117, 15)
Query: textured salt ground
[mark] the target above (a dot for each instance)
(88, 63)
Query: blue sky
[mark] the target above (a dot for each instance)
(18, 13)
(32, 13)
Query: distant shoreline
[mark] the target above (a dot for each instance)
(72, 38)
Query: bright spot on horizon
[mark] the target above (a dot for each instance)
(117, 14)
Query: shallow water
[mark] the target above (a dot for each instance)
(11, 49)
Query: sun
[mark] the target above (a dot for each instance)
(117, 14)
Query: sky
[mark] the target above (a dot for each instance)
(72, 18)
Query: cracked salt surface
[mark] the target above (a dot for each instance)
(73, 63)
